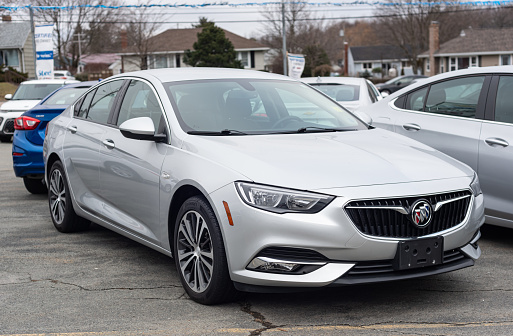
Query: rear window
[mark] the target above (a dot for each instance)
(65, 96)
(340, 92)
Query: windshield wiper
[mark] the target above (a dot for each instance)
(322, 129)
(223, 132)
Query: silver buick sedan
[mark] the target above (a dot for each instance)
(257, 182)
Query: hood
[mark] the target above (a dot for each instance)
(18, 105)
(328, 160)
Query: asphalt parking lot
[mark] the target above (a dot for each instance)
(100, 283)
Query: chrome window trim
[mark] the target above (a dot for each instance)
(391, 105)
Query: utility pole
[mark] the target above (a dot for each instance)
(33, 30)
(284, 35)
(79, 50)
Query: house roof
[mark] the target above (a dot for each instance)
(14, 34)
(375, 53)
(183, 39)
(99, 58)
(483, 40)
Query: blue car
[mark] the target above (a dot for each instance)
(29, 134)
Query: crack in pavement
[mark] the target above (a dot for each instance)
(257, 317)
(58, 282)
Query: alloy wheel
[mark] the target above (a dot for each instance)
(195, 252)
(57, 196)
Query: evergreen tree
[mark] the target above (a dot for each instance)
(212, 49)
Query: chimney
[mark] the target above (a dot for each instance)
(6, 18)
(434, 45)
(124, 39)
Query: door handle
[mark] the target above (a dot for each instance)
(109, 143)
(411, 127)
(495, 142)
(73, 129)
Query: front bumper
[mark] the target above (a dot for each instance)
(332, 234)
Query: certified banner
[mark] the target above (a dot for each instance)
(44, 51)
(296, 65)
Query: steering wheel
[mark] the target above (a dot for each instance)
(285, 120)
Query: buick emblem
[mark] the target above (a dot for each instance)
(421, 213)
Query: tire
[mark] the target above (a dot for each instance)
(199, 254)
(5, 138)
(34, 186)
(59, 200)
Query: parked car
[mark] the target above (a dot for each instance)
(29, 134)
(397, 83)
(62, 74)
(28, 94)
(351, 92)
(467, 114)
(257, 182)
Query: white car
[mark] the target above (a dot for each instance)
(257, 182)
(62, 74)
(350, 92)
(28, 94)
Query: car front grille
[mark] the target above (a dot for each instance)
(9, 126)
(381, 218)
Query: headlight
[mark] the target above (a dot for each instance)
(475, 186)
(281, 200)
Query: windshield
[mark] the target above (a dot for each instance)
(340, 92)
(65, 96)
(34, 91)
(250, 106)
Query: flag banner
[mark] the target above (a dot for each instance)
(296, 65)
(44, 51)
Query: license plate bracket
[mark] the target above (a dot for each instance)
(419, 253)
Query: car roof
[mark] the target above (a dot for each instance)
(506, 69)
(79, 84)
(333, 80)
(48, 81)
(199, 73)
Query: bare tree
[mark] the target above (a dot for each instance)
(69, 23)
(407, 27)
(144, 23)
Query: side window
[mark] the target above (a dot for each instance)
(504, 100)
(84, 107)
(456, 97)
(103, 101)
(140, 101)
(415, 100)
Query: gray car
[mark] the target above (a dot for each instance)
(467, 114)
(257, 182)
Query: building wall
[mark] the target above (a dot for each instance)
(28, 61)
(259, 60)
(490, 60)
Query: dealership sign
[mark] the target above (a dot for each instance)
(296, 65)
(44, 51)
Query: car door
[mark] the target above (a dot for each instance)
(82, 143)
(130, 169)
(446, 115)
(496, 152)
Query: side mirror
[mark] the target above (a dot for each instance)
(364, 117)
(8, 96)
(140, 129)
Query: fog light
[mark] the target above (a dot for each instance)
(265, 264)
(269, 264)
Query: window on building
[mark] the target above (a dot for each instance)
(442, 65)
(160, 61)
(458, 63)
(243, 56)
(428, 66)
(367, 66)
(9, 57)
(506, 60)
